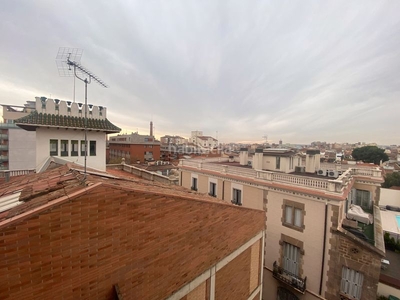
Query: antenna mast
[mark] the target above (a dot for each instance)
(68, 63)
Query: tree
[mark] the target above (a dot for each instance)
(370, 154)
(391, 180)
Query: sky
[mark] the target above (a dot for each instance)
(296, 71)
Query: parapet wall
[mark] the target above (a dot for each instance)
(69, 108)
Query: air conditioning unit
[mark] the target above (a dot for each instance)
(321, 172)
(333, 173)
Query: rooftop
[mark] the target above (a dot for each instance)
(197, 230)
(35, 119)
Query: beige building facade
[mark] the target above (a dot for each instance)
(311, 251)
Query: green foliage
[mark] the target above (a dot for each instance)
(370, 154)
(390, 243)
(392, 180)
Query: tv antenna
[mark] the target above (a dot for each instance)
(68, 63)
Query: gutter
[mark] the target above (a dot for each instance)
(323, 249)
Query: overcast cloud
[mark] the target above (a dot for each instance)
(295, 70)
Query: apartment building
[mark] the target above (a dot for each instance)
(173, 139)
(134, 148)
(118, 238)
(312, 250)
(17, 146)
(205, 142)
(62, 132)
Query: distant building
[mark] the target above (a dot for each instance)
(134, 148)
(203, 141)
(173, 139)
(60, 132)
(17, 146)
(116, 238)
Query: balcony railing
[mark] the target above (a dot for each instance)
(3, 157)
(3, 147)
(3, 136)
(296, 282)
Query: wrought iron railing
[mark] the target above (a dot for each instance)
(294, 281)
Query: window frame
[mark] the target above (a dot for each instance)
(92, 149)
(194, 186)
(353, 288)
(291, 208)
(213, 189)
(73, 143)
(277, 163)
(237, 196)
(291, 258)
(64, 148)
(54, 142)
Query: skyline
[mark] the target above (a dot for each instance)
(299, 72)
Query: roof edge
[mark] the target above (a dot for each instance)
(48, 205)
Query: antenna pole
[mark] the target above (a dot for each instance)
(86, 121)
(67, 58)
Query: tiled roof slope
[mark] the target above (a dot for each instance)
(35, 119)
(149, 239)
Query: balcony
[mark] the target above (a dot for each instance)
(3, 157)
(3, 136)
(295, 282)
(3, 147)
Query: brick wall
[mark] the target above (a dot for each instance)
(148, 244)
(240, 277)
(233, 280)
(346, 252)
(137, 151)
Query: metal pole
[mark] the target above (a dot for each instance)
(86, 83)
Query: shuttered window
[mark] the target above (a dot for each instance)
(351, 284)
(291, 258)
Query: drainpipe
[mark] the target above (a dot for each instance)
(180, 183)
(323, 248)
(223, 189)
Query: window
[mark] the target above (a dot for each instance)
(74, 148)
(213, 189)
(293, 216)
(92, 148)
(363, 199)
(278, 163)
(194, 184)
(291, 258)
(236, 196)
(83, 147)
(64, 148)
(291, 163)
(284, 294)
(53, 147)
(351, 284)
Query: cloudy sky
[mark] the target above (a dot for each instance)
(293, 70)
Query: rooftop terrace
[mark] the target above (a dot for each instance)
(320, 183)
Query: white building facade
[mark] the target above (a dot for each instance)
(60, 132)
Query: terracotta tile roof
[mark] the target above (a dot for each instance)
(38, 189)
(35, 119)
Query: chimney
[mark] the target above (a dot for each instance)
(313, 161)
(243, 156)
(258, 159)
(151, 128)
